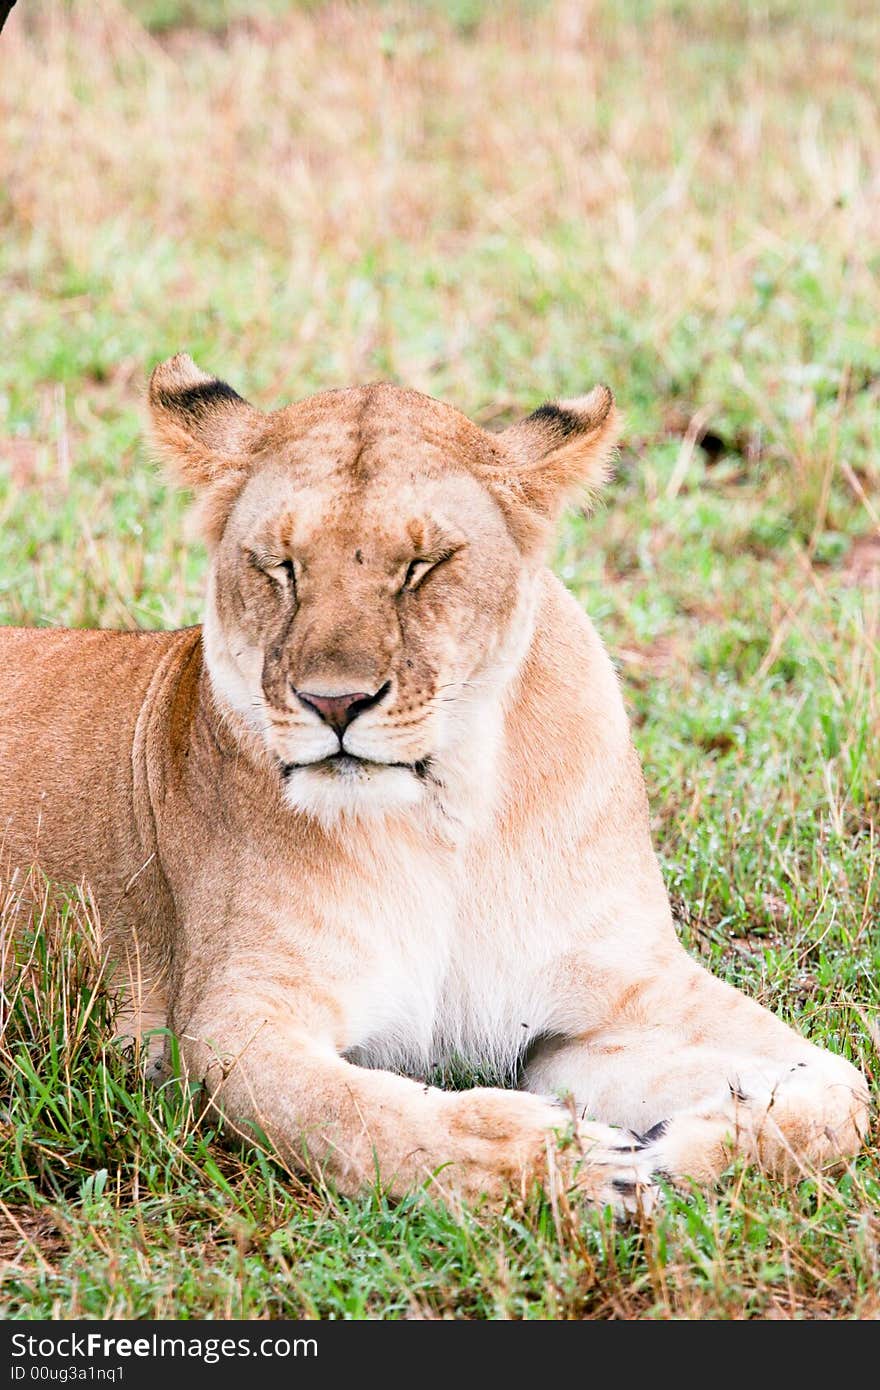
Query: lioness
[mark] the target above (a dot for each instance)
(382, 811)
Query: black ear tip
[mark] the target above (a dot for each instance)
(179, 385)
(200, 400)
(580, 415)
(594, 408)
(557, 417)
(175, 374)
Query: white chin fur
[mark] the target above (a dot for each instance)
(329, 796)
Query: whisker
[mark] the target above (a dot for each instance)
(463, 685)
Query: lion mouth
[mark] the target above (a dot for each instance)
(344, 764)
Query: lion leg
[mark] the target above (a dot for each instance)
(356, 1126)
(703, 1075)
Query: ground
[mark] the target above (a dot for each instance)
(496, 204)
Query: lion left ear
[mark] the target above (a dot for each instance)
(562, 448)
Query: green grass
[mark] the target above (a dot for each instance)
(496, 204)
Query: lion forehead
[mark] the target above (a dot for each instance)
(403, 507)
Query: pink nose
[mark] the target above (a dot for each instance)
(339, 710)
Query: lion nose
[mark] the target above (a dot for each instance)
(339, 710)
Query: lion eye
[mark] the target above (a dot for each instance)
(281, 572)
(416, 570)
(284, 573)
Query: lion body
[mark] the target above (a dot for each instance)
(469, 880)
(458, 943)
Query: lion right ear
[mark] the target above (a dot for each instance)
(203, 431)
(200, 426)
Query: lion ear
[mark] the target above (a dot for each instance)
(200, 425)
(562, 448)
(203, 431)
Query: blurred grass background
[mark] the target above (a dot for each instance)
(496, 203)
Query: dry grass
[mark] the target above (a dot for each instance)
(367, 144)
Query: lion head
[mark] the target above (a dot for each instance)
(374, 559)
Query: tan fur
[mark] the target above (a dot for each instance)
(476, 881)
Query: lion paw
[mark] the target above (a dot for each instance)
(790, 1122)
(616, 1169)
